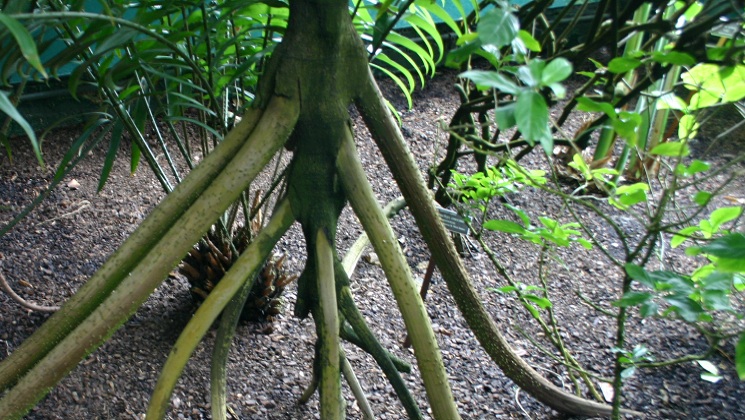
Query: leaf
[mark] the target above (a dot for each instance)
(504, 226)
(628, 372)
(25, 42)
(108, 163)
(740, 357)
(708, 366)
(543, 303)
(649, 308)
(589, 105)
(7, 107)
(503, 289)
(731, 246)
(531, 114)
(702, 198)
(682, 235)
(498, 27)
(556, 70)
(623, 64)
(723, 215)
(688, 127)
(633, 299)
(504, 115)
(671, 148)
(491, 79)
(639, 274)
(673, 57)
(686, 308)
(530, 43)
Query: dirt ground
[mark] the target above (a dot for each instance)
(60, 244)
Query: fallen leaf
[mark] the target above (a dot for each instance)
(607, 390)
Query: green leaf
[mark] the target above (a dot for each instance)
(685, 307)
(695, 167)
(623, 64)
(683, 235)
(504, 226)
(716, 300)
(731, 246)
(723, 215)
(633, 299)
(648, 309)
(498, 27)
(673, 57)
(688, 127)
(531, 113)
(491, 79)
(589, 105)
(639, 274)
(530, 43)
(543, 303)
(628, 372)
(7, 107)
(503, 289)
(702, 198)
(25, 42)
(627, 195)
(108, 163)
(671, 148)
(504, 115)
(740, 357)
(557, 70)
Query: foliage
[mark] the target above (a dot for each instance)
(634, 85)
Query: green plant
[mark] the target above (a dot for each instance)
(641, 66)
(316, 129)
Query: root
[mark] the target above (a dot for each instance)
(23, 302)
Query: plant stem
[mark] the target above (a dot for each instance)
(332, 403)
(427, 352)
(243, 271)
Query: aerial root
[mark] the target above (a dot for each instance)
(23, 302)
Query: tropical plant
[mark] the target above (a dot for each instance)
(298, 104)
(505, 114)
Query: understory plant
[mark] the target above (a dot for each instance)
(319, 67)
(647, 66)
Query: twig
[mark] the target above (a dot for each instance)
(23, 302)
(83, 204)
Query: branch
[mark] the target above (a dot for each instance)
(401, 162)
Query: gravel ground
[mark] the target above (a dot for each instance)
(54, 250)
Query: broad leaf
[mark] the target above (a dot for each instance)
(504, 226)
(556, 70)
(491, 79)
(623, 64)
(633, 299)
(671, 148)
(531, 114)
(498, 27)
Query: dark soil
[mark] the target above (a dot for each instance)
(54, 250)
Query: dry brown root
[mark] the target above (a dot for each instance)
(23, 302)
